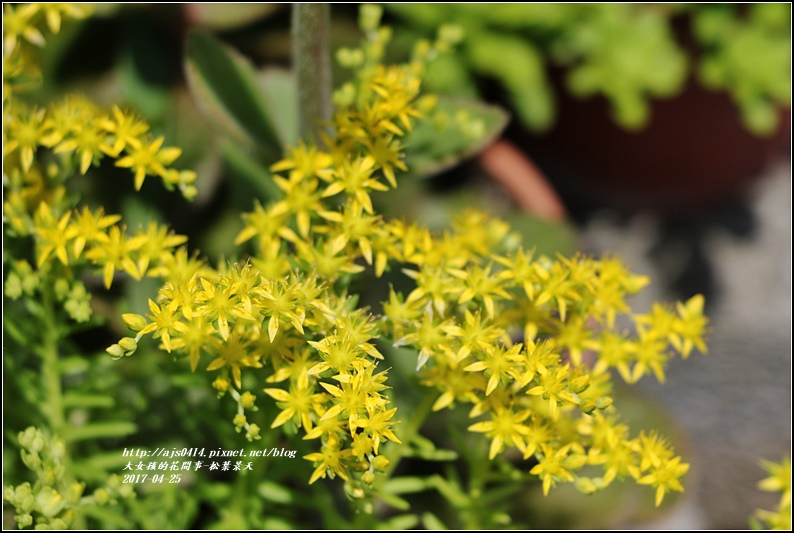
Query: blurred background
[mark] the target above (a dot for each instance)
(659, 133)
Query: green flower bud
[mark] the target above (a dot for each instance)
(368, 478)
(585, 485)
(587, 406)
(32, 461)
(61, 289)
(369, 17)
(101, 496)
(115, 351)
(451, 34)
(49, 502)
(114, 482)
(47, 477)
(239, 420)
(253, 432)
(603, 402)
(129, 345)
(30, 283)
(24, 520)
(350, 57)
(13, 286)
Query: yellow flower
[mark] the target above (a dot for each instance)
(17, 25)
(234, 353)
(116, 253)
(552, 466)
(164, 322)
(297, 405)
(378, 424)
(504, 428)
(89, 228)
(665, 477)
(779, 479)
(54, 236)
(26, 130)
(330, 461)
(691, 326)
(126, 131)
(148, 158)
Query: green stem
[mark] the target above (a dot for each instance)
(51, 376)
(51, 367)
(312, 64)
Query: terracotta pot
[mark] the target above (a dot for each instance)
(695, 153)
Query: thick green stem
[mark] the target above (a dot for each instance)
(312, 64)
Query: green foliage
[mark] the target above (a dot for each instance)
(750, 57)
(627, 53)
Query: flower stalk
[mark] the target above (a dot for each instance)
(312, 64)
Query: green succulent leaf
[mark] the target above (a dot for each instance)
(224, 84)
(280, 92)
(468, 128)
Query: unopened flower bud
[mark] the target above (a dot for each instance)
(603, 402)
(253, 432)
(380, 462)
(101, 496)
(221, 384)
(49, 502)
(115, 351)
(247, 400)
(129, 345)
(133, 321)
(369, 17)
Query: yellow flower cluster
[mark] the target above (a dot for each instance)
(779, 480)
(283, 311)
(44, 146)
(475, 295)
(74, 132)
(80, 134)
(285, 317)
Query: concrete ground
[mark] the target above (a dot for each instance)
(735, 403)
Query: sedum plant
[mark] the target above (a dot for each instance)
(521, 343)
(629, 54)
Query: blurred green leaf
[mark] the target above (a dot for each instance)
(100, 430)
(394, 501)
(274, 492)
(431, 522)
(400, 523)
(405, 485)
(76, 399)
(468, 127)
(224, 84)
(281, 95)
(97, 466)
